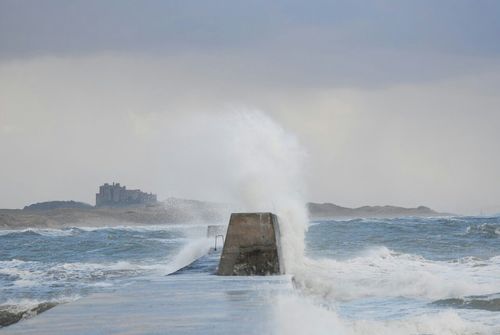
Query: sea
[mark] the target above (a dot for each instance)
(415, 276)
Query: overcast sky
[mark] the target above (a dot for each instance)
(395, 102)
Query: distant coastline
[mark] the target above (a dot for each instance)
(60, 214)
(329, 210)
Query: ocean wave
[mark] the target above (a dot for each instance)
(146, 228)
(50, 232)
(485, 229)
(37, 274)
(487, 302)
(295, 314)
(69, 231)
(381, 272)
(33, 273)
(170, 240)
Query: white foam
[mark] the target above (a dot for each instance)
(26, 274)
(40, 231)
(295, 314)
(380, 272)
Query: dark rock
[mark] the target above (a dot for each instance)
(9, 315)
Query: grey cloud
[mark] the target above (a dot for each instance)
(58, 26)
(313, 44)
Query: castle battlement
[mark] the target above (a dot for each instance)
(116, 195)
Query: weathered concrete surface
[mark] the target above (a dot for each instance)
(252, 246)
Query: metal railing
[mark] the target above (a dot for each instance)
(216, 238)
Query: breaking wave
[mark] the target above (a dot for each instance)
(486, 302)
(381, 272)
(485, 229)
(299, 315)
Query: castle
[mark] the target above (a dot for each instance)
(116, 195)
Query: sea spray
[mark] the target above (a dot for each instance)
(267, 164)
(381, 272)
(245, 159)
(189, 253)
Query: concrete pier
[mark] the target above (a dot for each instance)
(252, 246)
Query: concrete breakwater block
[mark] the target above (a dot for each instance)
(252, 246)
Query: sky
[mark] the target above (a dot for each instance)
(394, 102)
